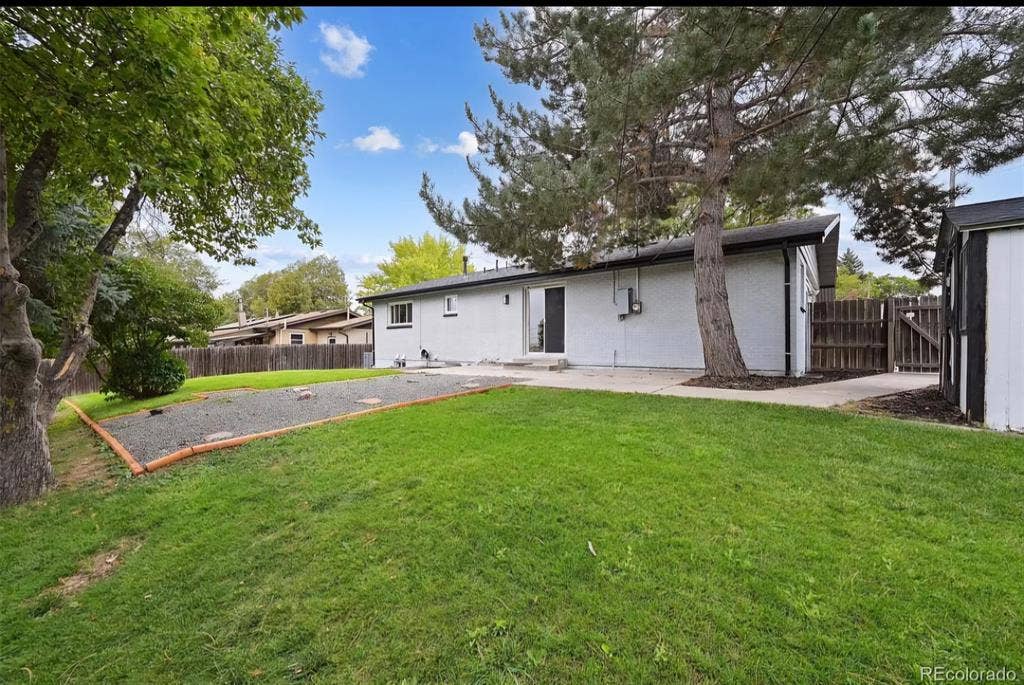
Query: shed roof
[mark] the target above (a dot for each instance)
(809, 231)
(979, 216)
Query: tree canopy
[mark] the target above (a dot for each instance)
(414, 260)
(850, 262)
(303, 286)
(866, 285)
(191, 111)
(766, 107)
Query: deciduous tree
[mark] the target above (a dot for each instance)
(190, 110)
(413, 261)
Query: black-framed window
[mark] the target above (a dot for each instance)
(400, 314)
(297, 339)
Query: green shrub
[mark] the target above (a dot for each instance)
(142, 373)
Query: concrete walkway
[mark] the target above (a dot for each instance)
(667, 382)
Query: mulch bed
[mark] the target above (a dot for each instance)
(774, 382)
(925, 404)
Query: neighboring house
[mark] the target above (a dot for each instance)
(981, 253)
(631, 308)
(331, 327)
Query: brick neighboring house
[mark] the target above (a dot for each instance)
(329, 327)
(631, 307)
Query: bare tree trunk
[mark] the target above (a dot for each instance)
(722, 356)
(78, 335)
(25, 470)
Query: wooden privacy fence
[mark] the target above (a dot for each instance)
(220, 361)
(895, 334)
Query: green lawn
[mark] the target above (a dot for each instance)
(98, 407)
(449, 542)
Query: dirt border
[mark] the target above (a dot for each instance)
(138, 469)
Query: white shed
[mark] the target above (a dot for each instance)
(981, 254)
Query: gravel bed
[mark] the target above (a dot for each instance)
(244, 412)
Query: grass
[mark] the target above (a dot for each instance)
(449, 542)
(99, 407)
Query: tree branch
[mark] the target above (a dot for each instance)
(29, 191)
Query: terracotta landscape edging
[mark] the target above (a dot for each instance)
(112, 442)
(139, 469)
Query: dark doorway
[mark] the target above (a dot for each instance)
(546, 320)
(554, 315)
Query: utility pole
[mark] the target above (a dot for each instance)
(952, 184)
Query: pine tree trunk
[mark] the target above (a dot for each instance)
(722, 356)
(25, 471)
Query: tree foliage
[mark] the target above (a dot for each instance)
(162, 249)
(768, 107)
(852, 285)
(304, 286)
(143, 308)
(188, 110)
(901, 215)
(414, 260)
(850, 262)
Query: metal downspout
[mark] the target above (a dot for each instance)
(786, 288)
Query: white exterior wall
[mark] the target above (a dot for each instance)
(1004, 334)
(485, 329)
(664, 335)
(802, 293)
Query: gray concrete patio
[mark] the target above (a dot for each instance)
(667, 382)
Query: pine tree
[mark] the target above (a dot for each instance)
(851, 263)
(771, 107)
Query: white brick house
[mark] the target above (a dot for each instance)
(631, 308)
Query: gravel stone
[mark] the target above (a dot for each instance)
(243, 412)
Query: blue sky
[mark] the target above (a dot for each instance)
(395, 82)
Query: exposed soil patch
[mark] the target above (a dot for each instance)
(925, 404)
(753, 382)
(95, 568)
(78, 456)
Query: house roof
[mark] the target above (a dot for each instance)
(974, 217)
(354, 322)
(809, 231)
(257, 327)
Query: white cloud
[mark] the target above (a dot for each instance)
(467, 145)
(379, 138)
(346, 53)
(427, 146)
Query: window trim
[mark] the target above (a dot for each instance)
(332, 340)
(450, 312)
(391, 310)
(291, 338)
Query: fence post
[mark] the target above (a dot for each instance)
(890, 326)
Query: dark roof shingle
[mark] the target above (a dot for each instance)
(985, 213)
(807, 231)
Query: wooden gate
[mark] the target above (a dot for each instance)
(915, 325)
(895, 334)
